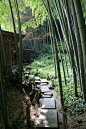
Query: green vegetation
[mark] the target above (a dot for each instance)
(43, 65)
(72, 21)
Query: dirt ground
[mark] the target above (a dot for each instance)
(16, 112)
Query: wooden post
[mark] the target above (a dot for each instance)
(48, 78)
(52, 83)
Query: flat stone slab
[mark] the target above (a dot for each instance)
(46, 96)
(43, 84)
(44, 81)
(44, 89)
(48, 93)
(26, 75)
(48, 103)
(26, 72)
(48, 118)
(30, 76)
(37, 82)
(38, 78)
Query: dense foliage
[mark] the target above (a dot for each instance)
(44, 64)
(38, 12)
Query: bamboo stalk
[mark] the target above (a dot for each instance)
(67, 42)
(56, 53)
(72, 33)
(14, 30)
(82, 30)
(61, 43)
(72, 42)
(60, 52)
(20, 46)
(47, 34)
(3, 97)
(63, 31)
(53, 50)
(80, 53)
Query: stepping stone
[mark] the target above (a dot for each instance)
(38, 78)
(26, 72)
(44, 89)
(37, 82)
(30, 76)
(26, 75)
(48, 118)
(43, 84)
(48, 93)
(44, 81)
(46, 96)
(48, 103)
(38, 86)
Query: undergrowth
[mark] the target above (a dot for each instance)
(43, 65)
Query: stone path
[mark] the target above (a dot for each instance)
(48, 103)
(48, 116)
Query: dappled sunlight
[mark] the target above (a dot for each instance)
(42, 118)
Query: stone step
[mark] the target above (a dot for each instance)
(46, 96)
(44, 89)
(48, 119)
(48, 93)
(26, 72)
(30, 76)
(48, 103)
(43, 84)
(44, 81)
(37, 82)
(38, 78)
(26, 75)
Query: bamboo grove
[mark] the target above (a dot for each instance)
(70, 16)
(73, 27)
